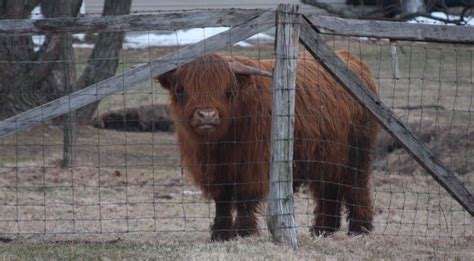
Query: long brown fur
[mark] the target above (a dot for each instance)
(333, 139)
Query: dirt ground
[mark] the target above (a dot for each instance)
(127, 195)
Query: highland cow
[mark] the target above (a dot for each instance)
(221, 107)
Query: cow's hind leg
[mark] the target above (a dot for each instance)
(360, 213)
(357, 193)
(327, 212)
(223, 227)
(358, 202)
(246, 220)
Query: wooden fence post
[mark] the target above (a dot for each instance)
(70, 126)
(280, 210)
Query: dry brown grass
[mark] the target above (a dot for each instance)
(338, 247)
(103, 199)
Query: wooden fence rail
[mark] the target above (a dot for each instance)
(393, 30)
(127, 23)
(231, 17)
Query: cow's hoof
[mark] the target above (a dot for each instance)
(222, 235)
(359, 228)
(246, 232)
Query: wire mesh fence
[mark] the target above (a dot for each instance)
(426, 96)
(135, 165)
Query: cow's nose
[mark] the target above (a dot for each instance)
(207, 115)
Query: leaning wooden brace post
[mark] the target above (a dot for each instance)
(316, 45)
(280, 213)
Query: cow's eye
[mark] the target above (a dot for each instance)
(228, 94)
(180, 93)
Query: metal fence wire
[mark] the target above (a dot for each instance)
(129, 178)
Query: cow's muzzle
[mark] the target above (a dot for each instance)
(205, 120)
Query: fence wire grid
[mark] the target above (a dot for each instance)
(128, 177)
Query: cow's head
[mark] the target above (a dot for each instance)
(202, 93)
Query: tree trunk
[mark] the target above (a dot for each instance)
(17, 9)
(17, 93)
(63, 73)
(103, 62)
(31, 78)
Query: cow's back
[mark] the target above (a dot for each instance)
(324, 112)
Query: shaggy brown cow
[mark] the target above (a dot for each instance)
(222, 116)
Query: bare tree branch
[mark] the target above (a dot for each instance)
(104, 59)
(52, 47)
(466, 10)
(30, 78)
(17, 9)
(50, 52)
(76, 7)
(331, 9)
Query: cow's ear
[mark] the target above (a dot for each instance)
(244, 80)
(167, 80)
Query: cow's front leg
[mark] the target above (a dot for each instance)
(246, 220)
(223, 227)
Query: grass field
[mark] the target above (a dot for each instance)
(339, 247)
(127, 196)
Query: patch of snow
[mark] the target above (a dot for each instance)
(468, 21)
(81, 37)
(82, 10)
(182, 37)
(83, 45)
(36, 13)
(178, 38)
(38, 39)
(244, 44)
(144, 40)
